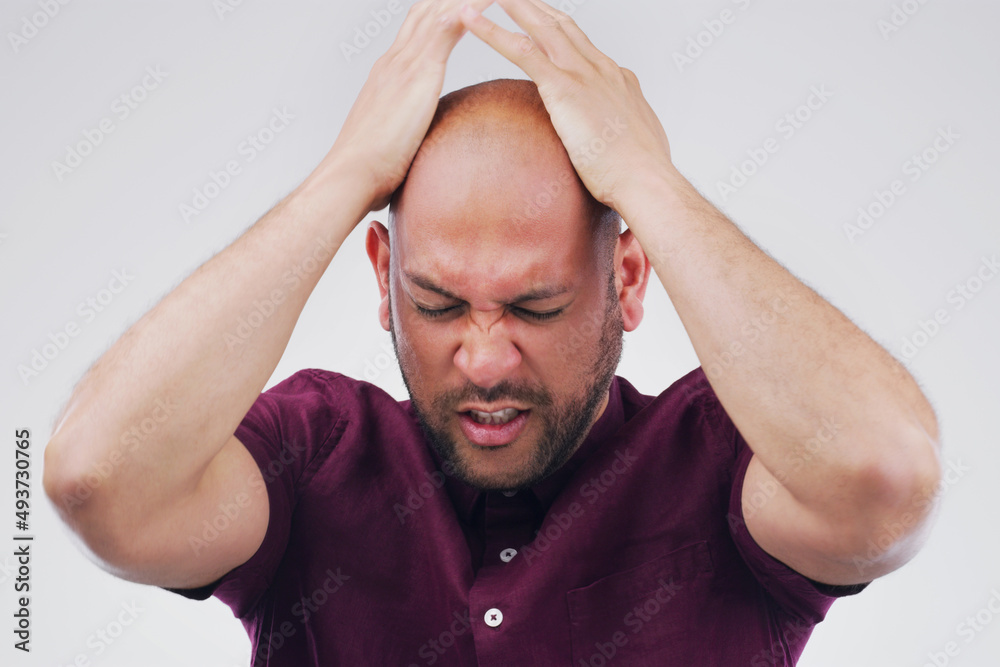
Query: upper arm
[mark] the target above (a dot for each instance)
(195, 540)
(838, 550)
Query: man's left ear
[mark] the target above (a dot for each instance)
(632, 271)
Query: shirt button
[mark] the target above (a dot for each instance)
(494, 617)
(507, 554)
(509, 494)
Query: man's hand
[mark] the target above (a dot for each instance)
(610, 131)
(140, 520)
(783, 362)
(388, 121)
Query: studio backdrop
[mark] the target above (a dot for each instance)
(855, 141)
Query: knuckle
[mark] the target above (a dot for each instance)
(562, 18)
(524, 45)
(386, 61)
(620, 75)
(445, 22)
(556, 18)
(418, 10)
(631, 79)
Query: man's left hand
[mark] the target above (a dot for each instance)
(611, 133)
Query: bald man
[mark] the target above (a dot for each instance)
(526, 506)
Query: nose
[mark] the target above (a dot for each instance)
(487, 354)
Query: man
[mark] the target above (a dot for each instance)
(526, 506)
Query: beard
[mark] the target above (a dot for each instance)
(565, 421)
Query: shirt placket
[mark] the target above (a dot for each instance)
(509, 523)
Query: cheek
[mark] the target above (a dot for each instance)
(559, 353)
(555, 352)
(423, 345)
(579, 338)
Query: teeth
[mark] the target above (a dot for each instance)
(498, 417)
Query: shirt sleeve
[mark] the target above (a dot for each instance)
(794, 592)
(284, 430)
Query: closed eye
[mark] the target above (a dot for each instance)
(524, 313)
(432, 313)
(538, 317)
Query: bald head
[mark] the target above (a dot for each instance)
(495, 141)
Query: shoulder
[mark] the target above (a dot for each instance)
(688, 401)
(313, 410)
(319, 388)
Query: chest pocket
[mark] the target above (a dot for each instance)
(640, 616)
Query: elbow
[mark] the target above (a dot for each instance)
(81, 468)
(72, 486)
(68, 481)
(904, 479)
(893, 505)
(59, 483)
(110, 523)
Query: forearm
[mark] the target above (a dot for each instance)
(799, 380)
(164, 399)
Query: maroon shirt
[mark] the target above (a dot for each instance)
(634, 553)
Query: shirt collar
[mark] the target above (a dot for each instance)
(465, 497)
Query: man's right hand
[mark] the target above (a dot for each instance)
(390, 118)
(194, 351)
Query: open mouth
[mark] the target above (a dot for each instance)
(494, 418)
(493, 429)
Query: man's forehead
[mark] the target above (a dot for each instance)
(501, 289)
(503, 271)
(499, 240)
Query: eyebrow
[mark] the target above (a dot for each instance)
(532, 295)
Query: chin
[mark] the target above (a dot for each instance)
(508, 467)
(491, 470)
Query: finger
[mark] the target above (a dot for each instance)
(519, 49)
(546, 27)
(435, 26)
(569, 26)
(414, 16)
(449, 28)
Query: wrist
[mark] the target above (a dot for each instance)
(370, 182)
(668, 216)
(337, 191)
(650, 194)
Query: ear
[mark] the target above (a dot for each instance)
(632, 271)
(377, 245)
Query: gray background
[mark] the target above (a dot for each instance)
(61, 240)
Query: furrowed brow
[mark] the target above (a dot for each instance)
(539, 294)
(542, 293)
(427, 284)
